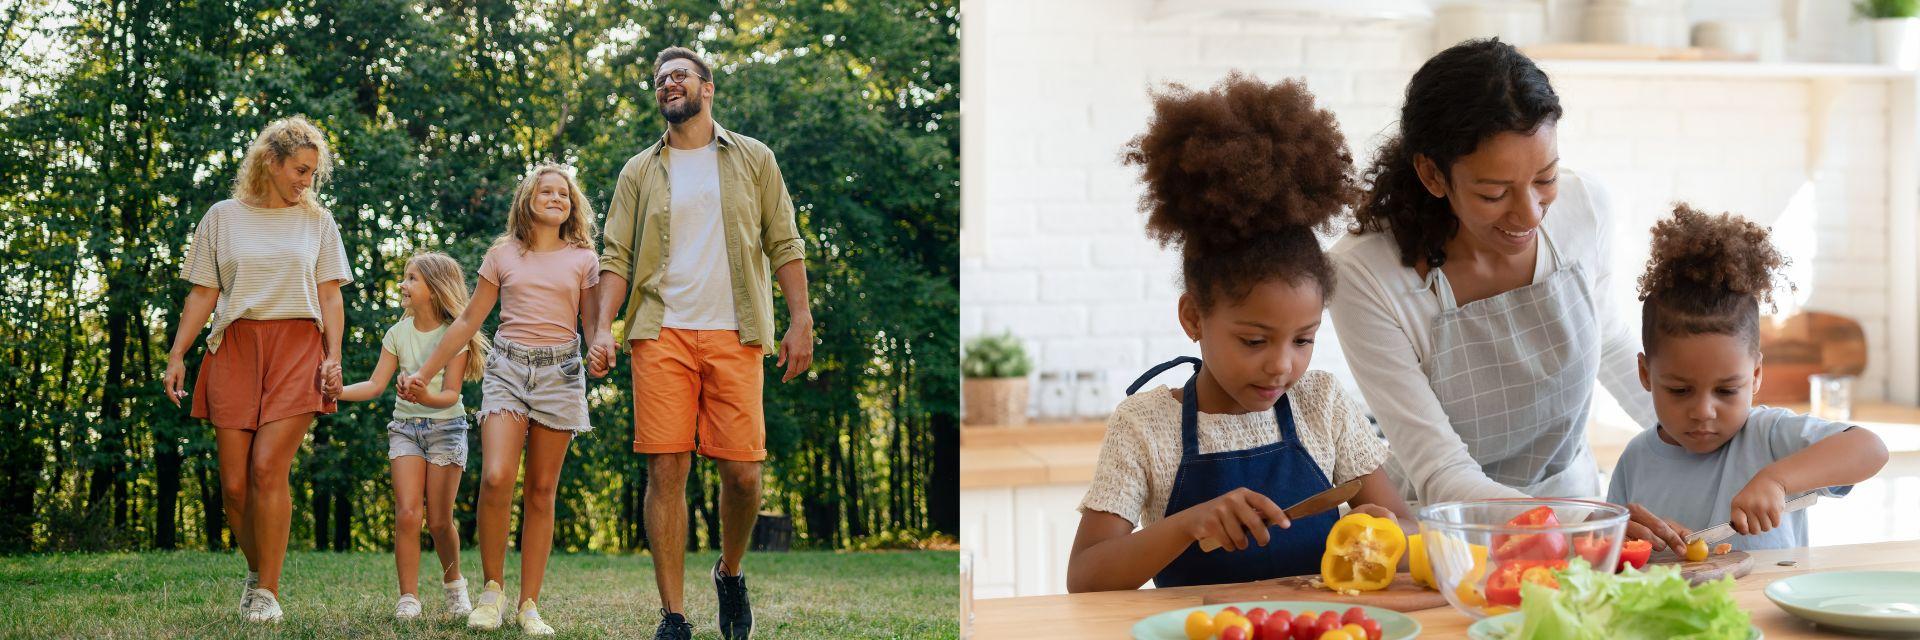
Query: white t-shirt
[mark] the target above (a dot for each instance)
(698, 285)
(1141, 453)
(267, 263)
(1383, 315)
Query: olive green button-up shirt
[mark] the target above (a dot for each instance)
(757, 221)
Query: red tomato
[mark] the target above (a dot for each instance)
(1303, 627)
(1372, 627)
(1531, 546)
(1257, 616)
(1634, 553)
(1235, 610)
(1277, 627)
(1593, 548)
(1332, 616)
(1235, 632)
(1325, 625)
(1353, 616)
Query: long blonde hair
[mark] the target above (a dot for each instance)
(578, 230)
(449, 291)
(279, 141)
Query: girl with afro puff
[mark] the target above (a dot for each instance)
(1714, 457)
(1239, 177)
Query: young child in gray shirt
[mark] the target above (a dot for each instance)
(1714, 457)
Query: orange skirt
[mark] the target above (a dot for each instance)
(265, 370)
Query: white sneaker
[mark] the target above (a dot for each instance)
(486, 614)
(246, 591)
(408, 608)
(264, 608)
(457, 603)
(530, 622)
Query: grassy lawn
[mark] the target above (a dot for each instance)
(909, 594)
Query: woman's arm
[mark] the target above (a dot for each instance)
(374, 384)
(193, 317)
(449, 392)
(333, 320)
(1619, 347)
(1381, 357)
(485, 294)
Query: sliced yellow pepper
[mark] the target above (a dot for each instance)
(1363, 553)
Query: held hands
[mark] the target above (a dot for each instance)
(331, 383)
(412, 387)
(1228, 519)
(600, 352)
(1759, 506)
(1663, 533)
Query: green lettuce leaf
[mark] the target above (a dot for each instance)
(1633, 605)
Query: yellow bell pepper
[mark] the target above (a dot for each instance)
(1363, 553)
(1421, 567)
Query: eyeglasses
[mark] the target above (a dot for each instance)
(677, 76)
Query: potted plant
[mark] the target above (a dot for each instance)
(1896, 30)
(995, 371)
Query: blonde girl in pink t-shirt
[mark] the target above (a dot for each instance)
(534, 386)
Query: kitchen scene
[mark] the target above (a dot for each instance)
(1471, 462)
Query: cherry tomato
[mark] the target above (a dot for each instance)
(1354, 630)
(1233, 633)
(1277, 627)
(1372, 627)
(1353, 615)
(1303, 627)
(1337, 634)
(1235, 610)
(1220, 626)
(1199, 626)
(1324, 626)
(1258, 616)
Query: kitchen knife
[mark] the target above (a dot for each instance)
(1724, 530)
(1331, 498)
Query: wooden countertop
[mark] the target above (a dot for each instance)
(1065, 452)
(1113, 614)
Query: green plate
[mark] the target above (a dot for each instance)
(1172, 625)
(1485, 628)
(1853, 600)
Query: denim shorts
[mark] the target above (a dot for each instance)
(442, 442)
(545, 384)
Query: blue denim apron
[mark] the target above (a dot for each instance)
(1282, 471)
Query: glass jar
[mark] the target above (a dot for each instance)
(1056, 396)
(1831, 396)
(1090, 395)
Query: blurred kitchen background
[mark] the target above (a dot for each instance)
(1791, 113)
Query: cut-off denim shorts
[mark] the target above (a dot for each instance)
(442, 442)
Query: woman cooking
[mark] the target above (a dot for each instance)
(1475, 323)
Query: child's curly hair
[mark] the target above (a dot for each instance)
(1241, 176)
(1707, 274)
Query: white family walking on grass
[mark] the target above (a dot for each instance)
(698, 224)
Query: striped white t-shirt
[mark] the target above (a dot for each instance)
(267, 263)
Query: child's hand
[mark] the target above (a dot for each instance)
(406, 387)
(1759, 506)
(1663, 533)
(1228, 518)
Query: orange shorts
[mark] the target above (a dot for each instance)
(699, 391)
(265, 370)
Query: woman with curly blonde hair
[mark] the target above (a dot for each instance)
(266, 267)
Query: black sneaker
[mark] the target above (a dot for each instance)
(736, 614)
(673, 626)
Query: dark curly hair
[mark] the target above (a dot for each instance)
(1460, 98)
(1707, 274)
(1241, 176)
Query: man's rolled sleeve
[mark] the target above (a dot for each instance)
(616, 253)
(779, 233)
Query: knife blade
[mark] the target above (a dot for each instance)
(1331, 498)
(1724, 530)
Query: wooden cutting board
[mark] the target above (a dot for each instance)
(1734, 563)
(1402, 595)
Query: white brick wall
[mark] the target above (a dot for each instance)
(1066, 266)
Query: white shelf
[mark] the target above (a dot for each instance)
(1720, 69)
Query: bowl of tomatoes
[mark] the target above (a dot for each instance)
(1483, 551)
